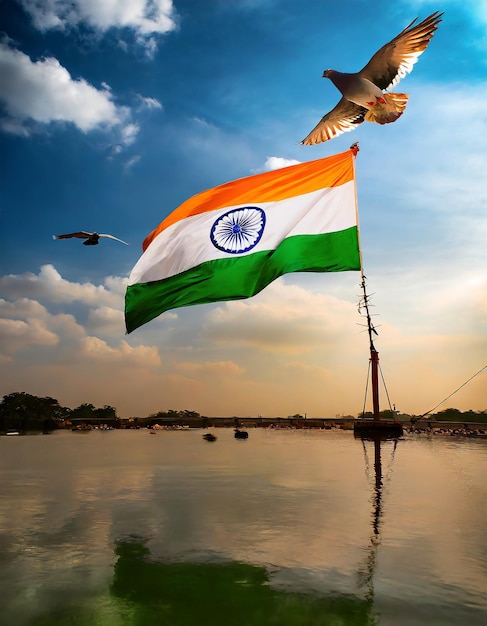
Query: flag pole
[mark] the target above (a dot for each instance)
(376, 426)
(374, 355)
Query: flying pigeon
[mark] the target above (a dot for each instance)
(91, 238)
(363, 95)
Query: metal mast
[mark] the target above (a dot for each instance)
(374, 355)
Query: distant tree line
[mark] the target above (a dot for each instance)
(454, 415)
(170, 417)
(448, 415)
(177, 415)
(24, 411)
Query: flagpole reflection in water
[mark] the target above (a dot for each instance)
(378, 482)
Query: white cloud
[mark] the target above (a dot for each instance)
(49, 285)
(132, 161)
(202, 122)
(150, 103)
(275, 163)
(147, 18)
(128, 134)
(44, 92)
(150, 45)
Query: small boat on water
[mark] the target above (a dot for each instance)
(241, 434)
(209, 437)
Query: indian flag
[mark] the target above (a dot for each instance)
(231, 241)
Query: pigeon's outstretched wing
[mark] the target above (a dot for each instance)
(396, 59)
(91, 238)
(112, 237)
(343, 118)
(80, 235)
(366, 88)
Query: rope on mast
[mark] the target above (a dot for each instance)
(385, 387)
(366, 391)
(454, 392)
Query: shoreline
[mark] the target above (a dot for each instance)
(430, 427)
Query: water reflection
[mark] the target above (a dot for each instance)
(220, 593)
(366, 570)
(212, 592)
(295, 506)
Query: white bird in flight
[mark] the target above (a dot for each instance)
(91, 238)
(364, 98)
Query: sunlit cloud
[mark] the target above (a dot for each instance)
(95, 349)
(275, 163)
(23, 307)
(17, 334)
(49, 285)
(210, 368)
(105, 321)
(60, 354)
(283, 319)
(287, 350)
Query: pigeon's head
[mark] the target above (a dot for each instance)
(327, 73)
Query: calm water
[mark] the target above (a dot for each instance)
(124, 528)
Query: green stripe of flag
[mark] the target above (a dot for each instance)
(240, 277)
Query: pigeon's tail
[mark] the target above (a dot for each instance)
(388, 108)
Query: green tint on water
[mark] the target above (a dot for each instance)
(151, 593)
(219, 594)
(287, 528)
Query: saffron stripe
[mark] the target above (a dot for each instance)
(273, 186)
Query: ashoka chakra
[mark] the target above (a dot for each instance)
(238, 230)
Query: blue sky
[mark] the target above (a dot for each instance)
(112, 114)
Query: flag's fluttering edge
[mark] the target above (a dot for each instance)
(230, 242)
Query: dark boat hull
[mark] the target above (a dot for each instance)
(372, 428)
(241, 434)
